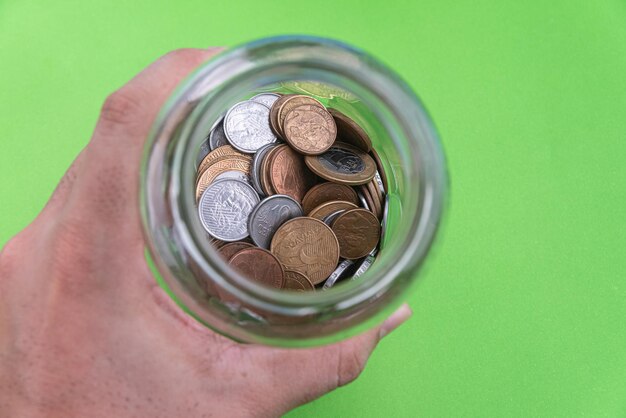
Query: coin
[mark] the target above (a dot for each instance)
(309, 129)
(259, 265)
(381, 169)
(247, 126)
(274, 114)
(217, 137)
(339, 272)
(383, 226)
(266, 183)
(298, 282)
(371, 202)
(219, 154)
(349, 131)
(269, 215)
(308, 246)
(358, 233)
(327, 208)
(364, 266)
(326, 192)
(363, 201)
(343, 163)
(376, 199)
(290, 103)
(376, 186)
(203, 152)
(288, 174)
(234, 174)
(218, 167)
(224, 209)
(255, 171)
(379, 181)
(329, 219)
(232, 248)
(267, 99)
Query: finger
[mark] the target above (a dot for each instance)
(306, 374)
(61, 193)
(108, 186)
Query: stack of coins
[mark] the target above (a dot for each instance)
(290, 193)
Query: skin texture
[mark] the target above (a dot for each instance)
(85, 330)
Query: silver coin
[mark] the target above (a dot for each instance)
(337, 274)
(364, 266)
(383, 223)
(255, 171)
(329, 219)
(234, 174)
(247, 126)
(363, 201)
(379, 181)
(204, 150)
(267, 99)
(217, 137)
(269, 215)
(225, 207)
(342, 161)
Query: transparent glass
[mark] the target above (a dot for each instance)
(341, 77)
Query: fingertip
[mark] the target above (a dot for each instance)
(399, 317)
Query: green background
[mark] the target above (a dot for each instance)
(523, 311)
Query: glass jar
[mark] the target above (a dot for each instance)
(341, 77)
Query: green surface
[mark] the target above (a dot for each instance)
(523, 311)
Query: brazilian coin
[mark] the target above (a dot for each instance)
(327, 208)
(339, 273)
(325, 192)
(344, 164)
(247, 126)
(329, 219)
(217, 137)
(297, 282)
(255, 171)
(225, 207)
(234, 174)
(291, 103)
(260, 266)
(349, 131)
(274, 114)
(308, 246)
(269, 215)
(363, 201)
(226, 164)
(232, 248)
(358, 233)
(309, 129)
(365, 265)
(217, 154)
(267, 99)
(203, 152)
(381, 169)
(288, 174)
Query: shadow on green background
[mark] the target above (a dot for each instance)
(522, 313)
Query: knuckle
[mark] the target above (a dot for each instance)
(121, 108)
(351, 365)
(71, 253)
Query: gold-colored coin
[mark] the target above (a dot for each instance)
(265, 177)
(297, 282)
(344, 164)
(274, 113)
(326, 192)
(308, 246)
(309, 129)
(373, 203)
(289, 175)
(290, 103)
(217, 168)
(350, 132)
(325, 209)
(218, 154)
(358, 233)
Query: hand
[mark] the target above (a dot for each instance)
(85, 330)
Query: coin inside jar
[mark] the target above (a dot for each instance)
(308, 246)
(219, 154)
(291, 103)
(247, 126)
(350, 132)
(327, 208)
(226, 164)
(269, 215)
(297, 282)
(326, 192)
(309, 129)
(289, 175)
(232, 248)
(358, 233)
(274, 123)
(344, 164)
(259, 265)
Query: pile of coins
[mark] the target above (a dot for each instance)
(291, 193)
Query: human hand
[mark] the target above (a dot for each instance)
(85, 330)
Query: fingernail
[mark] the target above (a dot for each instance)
(395, 320)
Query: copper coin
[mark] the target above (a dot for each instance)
(289, 175)
(217, 168)
(297, 282)
(325, 192)
(349, 131)
(375, 188)
(219, 154)
(343, 163)
(371, 202)
(309, 129)
(381, 169)
(358, 233)
(325, 209)
(232, 248)
(292, 102)
(308, 246)
(378, 198)
(259, 265)
(266, 183)
(274, 113)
